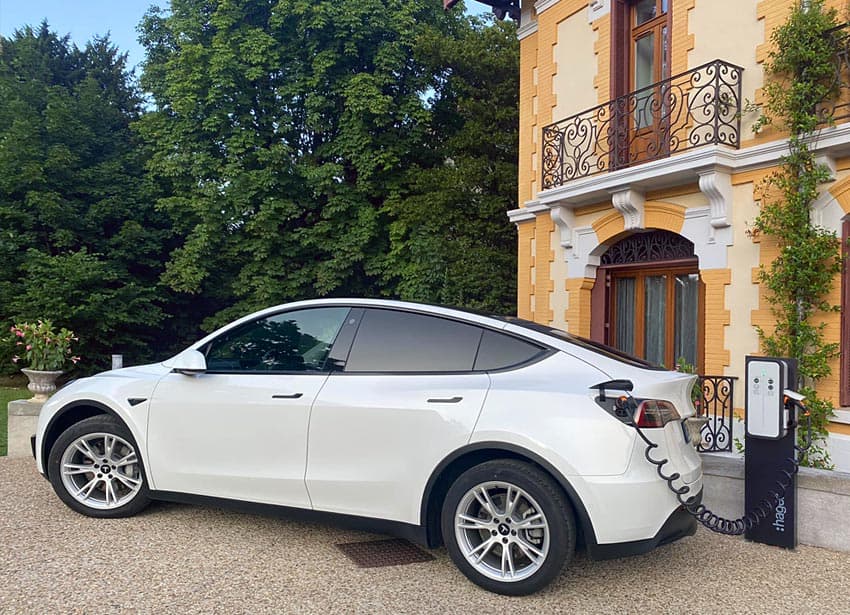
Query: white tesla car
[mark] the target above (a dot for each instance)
(509, 442)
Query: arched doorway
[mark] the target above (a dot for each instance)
(652, 299)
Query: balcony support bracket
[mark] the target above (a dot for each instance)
(630, 203)
(565, 220)
(717, 186)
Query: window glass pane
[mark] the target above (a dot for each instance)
(654, 316)
(294, 341)
(687, 315)
(498, 351)
(390, 341)
(644, 76)
(644, 11)
(624, 315)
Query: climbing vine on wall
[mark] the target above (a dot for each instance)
(801, 277)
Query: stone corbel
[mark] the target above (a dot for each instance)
(630, 203)
(597, 9)
(565, 220)
(717, 186)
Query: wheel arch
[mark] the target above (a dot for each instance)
(450, 468)
(67, 416)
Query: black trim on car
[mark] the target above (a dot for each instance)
(408, 531)
(584, 522)
(62, 412)
(679, 524)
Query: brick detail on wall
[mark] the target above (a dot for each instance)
(717, 317)
(525, 262)
(681, 40)
(602, 49)
(527, 117)
(667, 216)
(578, 313)
(608, 226)
(543, 259)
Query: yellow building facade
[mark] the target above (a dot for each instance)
(640, 178)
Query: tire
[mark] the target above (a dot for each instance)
(514, 548)
(95, 468)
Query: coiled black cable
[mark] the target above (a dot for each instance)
(716, 523)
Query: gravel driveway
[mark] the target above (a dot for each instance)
(185, 559)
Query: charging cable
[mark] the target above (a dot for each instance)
(735, 527)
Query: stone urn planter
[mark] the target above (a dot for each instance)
(42, 384)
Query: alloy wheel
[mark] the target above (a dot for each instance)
(502, 531)
(101, 471)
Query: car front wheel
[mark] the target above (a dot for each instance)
(95, 468)
(508, 527)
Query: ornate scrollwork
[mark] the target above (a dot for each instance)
(647, 247)
(716, 403)
(699, 107)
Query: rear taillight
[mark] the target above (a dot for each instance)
(655, 413)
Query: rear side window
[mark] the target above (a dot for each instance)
(391, 341)
(500, 351)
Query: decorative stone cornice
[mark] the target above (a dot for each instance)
(717, 186)
(542, 5)
(529, 212)
(526, 29)
(630, 203)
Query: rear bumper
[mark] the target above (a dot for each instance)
(678, 525)
(32, 445)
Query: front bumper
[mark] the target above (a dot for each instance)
(32, 445)
(678, 525)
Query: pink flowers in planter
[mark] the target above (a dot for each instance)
(46, 348)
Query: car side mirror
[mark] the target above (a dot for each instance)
(189, 363)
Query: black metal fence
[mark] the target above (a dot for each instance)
(717, 404)
(699, 107)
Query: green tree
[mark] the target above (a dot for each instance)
(79, 239)
(451, 241)
(292, 133)
(801, 277)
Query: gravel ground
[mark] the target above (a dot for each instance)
(185, 559)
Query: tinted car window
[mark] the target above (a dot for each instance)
(290, 342)
(390, 341)
(499, 351)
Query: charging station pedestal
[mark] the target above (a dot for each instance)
(769, 444)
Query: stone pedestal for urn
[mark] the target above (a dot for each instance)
(22, 422)
(42, 383)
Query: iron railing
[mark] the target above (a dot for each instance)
(699, 107)
(716, 404)
(837, 109)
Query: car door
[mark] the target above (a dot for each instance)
(239, 430)
(408, 396)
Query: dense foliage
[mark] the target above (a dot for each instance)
(295, 134)
(800, 279)
(80, 241)
(285, 149)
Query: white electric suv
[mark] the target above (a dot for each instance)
(509, 442)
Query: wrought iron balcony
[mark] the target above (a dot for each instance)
(699, 107)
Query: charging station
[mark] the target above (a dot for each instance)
(770, 438)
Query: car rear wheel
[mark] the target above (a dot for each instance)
(508, 527)
(95, 468)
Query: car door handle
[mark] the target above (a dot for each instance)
(445, 400)
(290, 396)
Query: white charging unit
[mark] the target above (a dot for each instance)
(766, 414)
